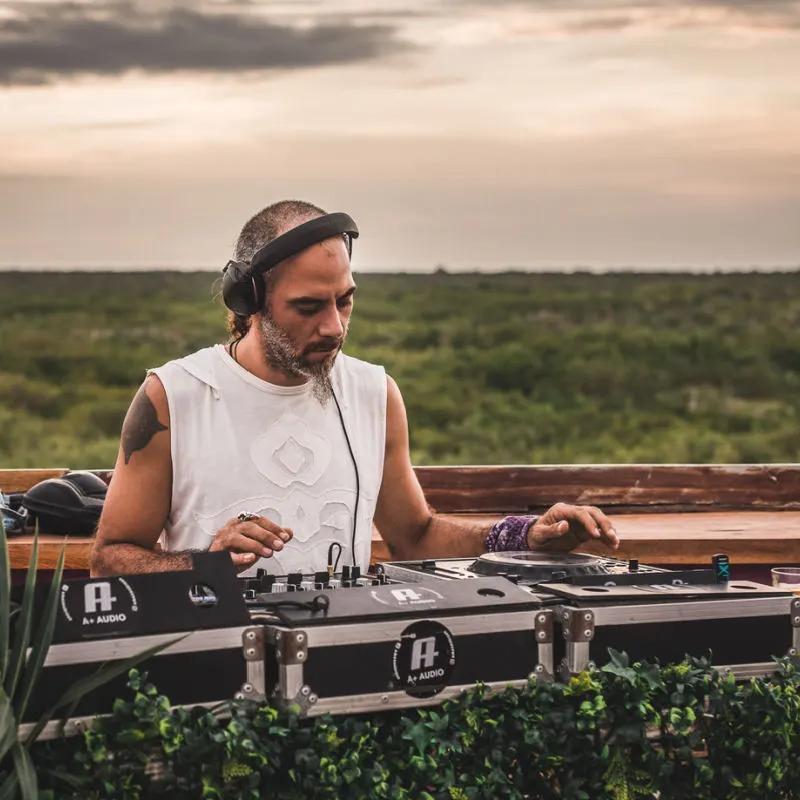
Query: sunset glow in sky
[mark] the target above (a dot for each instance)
(471, 133)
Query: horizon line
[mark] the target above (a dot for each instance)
(439, 268)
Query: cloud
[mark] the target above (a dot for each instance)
(41, 42)
(589, 16)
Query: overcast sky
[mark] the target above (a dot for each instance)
(469, 133)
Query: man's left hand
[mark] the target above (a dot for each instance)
(564, 527)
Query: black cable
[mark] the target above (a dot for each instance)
(272, 608)
(334, 565)
(320, 602)
(355, 467)
(232, 350)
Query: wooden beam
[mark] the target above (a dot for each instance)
(751, 512)
(630, 488)
(20, 480)
(633, 488)
(76, 557)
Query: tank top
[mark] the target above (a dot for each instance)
(240, 443)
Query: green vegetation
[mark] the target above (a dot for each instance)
(495, 369)
(625, 731)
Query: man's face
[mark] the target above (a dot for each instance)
(308, 311)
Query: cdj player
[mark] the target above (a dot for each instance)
(527, 569)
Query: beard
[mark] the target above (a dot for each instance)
(281, 353)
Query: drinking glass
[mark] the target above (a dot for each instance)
(786, 578)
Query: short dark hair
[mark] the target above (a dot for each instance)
(268, 224)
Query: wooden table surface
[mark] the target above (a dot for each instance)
(748, 537)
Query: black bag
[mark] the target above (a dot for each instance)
(70, 505)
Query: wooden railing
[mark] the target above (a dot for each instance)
(665, 514)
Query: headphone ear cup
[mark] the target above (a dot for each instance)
(239, 289)
(62, 507)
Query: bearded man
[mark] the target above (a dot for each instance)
(278, 447)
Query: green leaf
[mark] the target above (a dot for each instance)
(26, 774)
(8, 725)
(8, 788)
(43, 638)
(618, 659)
(5, 602)
(71, 780)
(419, 736)
(22, 630)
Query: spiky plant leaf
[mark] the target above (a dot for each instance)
(41, 641)
(26, 773)
(8, 725)
(22, 630)
(8, 788)
(5, 602)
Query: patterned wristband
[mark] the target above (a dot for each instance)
(510, 533)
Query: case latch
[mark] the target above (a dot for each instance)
(291, 647)
(543, 629)
(577, 625)
(254, 688)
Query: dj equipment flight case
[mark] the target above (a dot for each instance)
(650, 613)
(105, 620)
(407, 634)
(395, 645)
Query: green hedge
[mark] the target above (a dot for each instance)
(622, 731)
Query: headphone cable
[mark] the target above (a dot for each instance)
(232, 350)
(355, 468)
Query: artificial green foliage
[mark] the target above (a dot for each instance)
(622, 732)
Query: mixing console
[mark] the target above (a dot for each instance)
(349, 577)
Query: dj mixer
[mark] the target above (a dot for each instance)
(264, 583)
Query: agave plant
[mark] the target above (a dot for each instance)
(23, 651)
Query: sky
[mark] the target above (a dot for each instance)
(468, 134)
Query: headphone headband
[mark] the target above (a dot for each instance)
(243, 291)
(301, 237)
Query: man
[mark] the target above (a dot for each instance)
(280, 449)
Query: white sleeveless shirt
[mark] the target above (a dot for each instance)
(240, 443)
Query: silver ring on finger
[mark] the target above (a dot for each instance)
(246, 516)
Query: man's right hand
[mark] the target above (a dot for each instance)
(249, 540)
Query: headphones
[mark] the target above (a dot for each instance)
(71, 504)
(242, 287)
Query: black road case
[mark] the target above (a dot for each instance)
(200, 613)
(741, 625)
(401, 645)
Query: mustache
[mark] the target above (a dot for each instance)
(324, 346)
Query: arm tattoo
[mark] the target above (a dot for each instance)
(141, 424)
